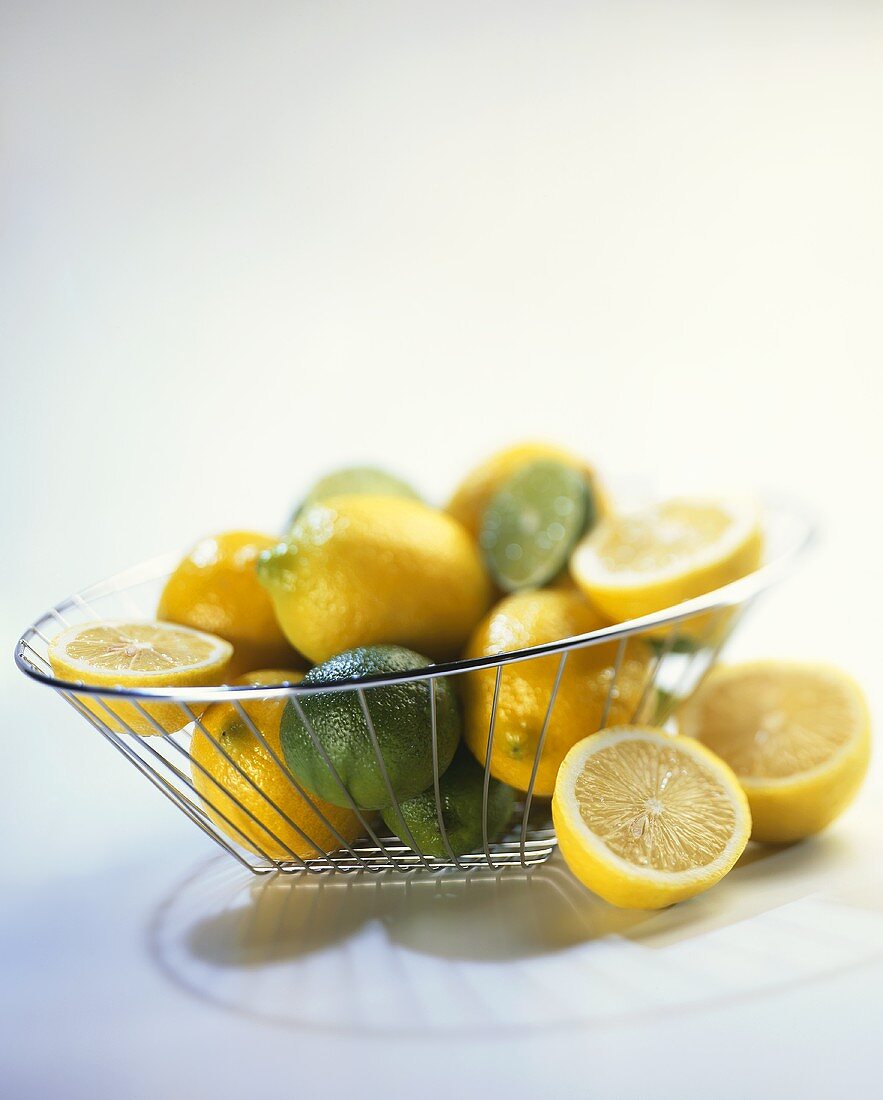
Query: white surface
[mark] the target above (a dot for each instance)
(242, 244)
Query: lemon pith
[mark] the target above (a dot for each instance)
(797, 735)
(138, 654)
(645, 819)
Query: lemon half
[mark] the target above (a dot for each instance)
(797, 735)
(138, 654)
(633, 565)
(645, 818)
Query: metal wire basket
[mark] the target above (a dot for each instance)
(685, 642)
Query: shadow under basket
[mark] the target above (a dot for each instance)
(681, 644)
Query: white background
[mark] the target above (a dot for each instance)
(244, 242)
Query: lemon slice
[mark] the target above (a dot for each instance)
(798, 737)
(645, 818)
(632, 565)
(138, 654)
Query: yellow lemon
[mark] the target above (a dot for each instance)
(798, 736)
(247, 789)
(633, 565)
(215, 588)
(369, 570)
(139, 655)
(527, 619)
(474, 493)
(645, 819)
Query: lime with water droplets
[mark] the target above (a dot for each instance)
(533, 522)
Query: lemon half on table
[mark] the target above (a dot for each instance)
(138, 655)
(797, 735)
(645, 818)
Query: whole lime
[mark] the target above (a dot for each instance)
(356, 480)
(400, 720)
(462, 794)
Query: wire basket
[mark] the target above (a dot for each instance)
(684, 641)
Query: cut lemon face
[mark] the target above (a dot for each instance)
(633, 565)
(138, 654)
(798, 737)
(645, 818)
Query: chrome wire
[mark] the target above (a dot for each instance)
(528, 798)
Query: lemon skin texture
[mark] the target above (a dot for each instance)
(370, 570)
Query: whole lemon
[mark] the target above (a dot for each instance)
(474, 493)
(248, 794)
(527, 619)
(215, 588)
(373, 570)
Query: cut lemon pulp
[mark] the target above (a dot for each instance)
(645, 819)
(138, 654)
(798, 737)
(633, 565)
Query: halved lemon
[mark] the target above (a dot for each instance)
(797, 735)
(138, 654)
(632, 565)
(645, 818)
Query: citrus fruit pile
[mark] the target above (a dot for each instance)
(368, 580)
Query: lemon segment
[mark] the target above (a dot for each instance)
(246, 788)
(633, 565)
(138, 654)
(797, 735)
(645, 819)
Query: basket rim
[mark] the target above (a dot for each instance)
(730, 595)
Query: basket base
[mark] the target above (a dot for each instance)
(392, 855)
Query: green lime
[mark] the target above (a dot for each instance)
(401, 719)
(462, 793)
(358, 481)
(532, 523)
